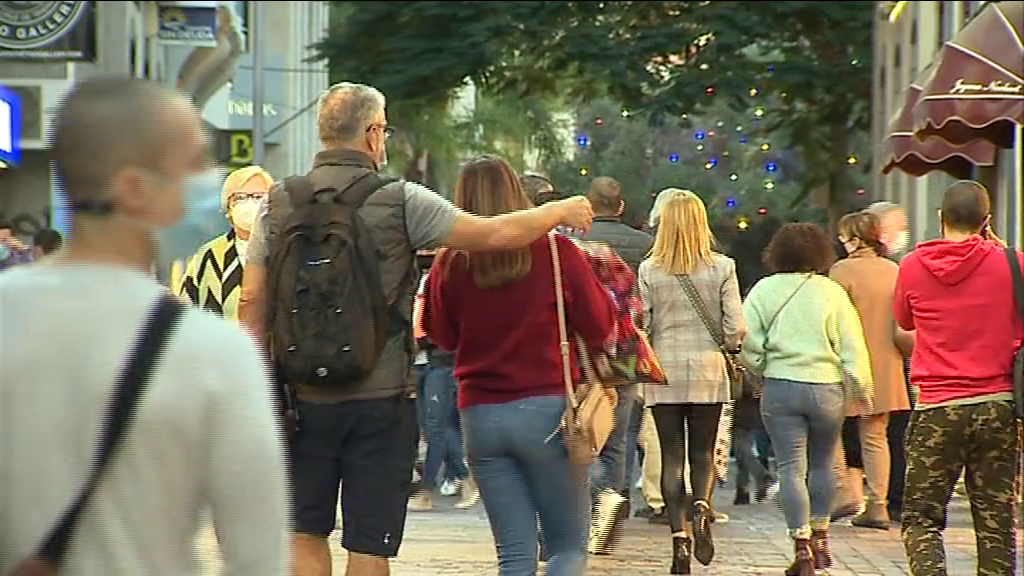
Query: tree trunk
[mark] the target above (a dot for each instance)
(839, 174)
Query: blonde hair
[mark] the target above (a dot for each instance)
(684, 237)
(239, 178)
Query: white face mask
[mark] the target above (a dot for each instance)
(243, 214)
(899, 243)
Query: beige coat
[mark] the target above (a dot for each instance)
(870, 280)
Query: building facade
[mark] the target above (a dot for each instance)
(908, 37)
(201, 48)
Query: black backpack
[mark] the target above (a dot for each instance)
(328, 315)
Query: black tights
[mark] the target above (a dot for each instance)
(677, 423)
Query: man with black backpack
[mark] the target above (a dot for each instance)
(329, 290)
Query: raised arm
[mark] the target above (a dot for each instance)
(252, 301)
(433, 222)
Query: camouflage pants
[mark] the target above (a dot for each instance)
(980, 438)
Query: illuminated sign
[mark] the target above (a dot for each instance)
(10, 126)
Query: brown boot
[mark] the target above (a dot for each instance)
(803, 563)
(876, 516)
(821, 548)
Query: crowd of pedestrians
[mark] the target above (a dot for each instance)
(355, 346)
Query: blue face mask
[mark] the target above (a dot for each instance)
(5, 251)
(201, 221)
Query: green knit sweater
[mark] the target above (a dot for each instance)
(817, 338)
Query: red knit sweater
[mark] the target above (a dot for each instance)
(506, 338)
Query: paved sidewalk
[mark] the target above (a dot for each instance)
(448, 542)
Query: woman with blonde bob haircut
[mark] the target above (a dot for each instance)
(683, 280)
(496, 311)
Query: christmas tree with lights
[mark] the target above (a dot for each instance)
(728, 157)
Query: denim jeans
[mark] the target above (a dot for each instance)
(633, 441)
(609, 469)
(521, 477)
(441, 426)
(804, 422)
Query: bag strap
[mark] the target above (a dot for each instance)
(1018, 280)
(1018, 291)
(302, 191)
(563, 331)
(716, 332)
(768, 328)
(129, 388)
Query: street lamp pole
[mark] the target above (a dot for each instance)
(256, 35)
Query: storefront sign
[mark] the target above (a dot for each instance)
(995, 87)
(10, 127)
(188, 25)
(47, 30)
(240, 148)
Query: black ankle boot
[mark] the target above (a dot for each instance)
(703, 545)
(681, 549)
(742, 498)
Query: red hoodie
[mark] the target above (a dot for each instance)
(506, 338)
(958, 296)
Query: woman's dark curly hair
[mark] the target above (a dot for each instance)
(799, 247)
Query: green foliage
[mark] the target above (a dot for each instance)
(809, 62)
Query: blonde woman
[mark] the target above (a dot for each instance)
(213, 276)
(683, 278)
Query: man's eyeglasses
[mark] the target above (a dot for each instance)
(388, 131)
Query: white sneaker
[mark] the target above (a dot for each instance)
(470, 494)
(449, 487)
(610, 505)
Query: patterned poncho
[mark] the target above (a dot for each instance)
(628, 352)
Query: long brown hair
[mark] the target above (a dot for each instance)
(488, 186)
(865, 227)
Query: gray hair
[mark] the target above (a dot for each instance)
(659, 201)
(345, 110)
(883, 207)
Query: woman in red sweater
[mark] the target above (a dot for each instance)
(496, 310)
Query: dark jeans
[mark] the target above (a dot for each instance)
(979, 439)
(437, 402)
(687, 432)
(898, 423)
(609, 469)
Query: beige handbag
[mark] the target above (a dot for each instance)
(590, 410)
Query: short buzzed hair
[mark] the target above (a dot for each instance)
(105, 124)
(605, 195)
(345, 110)
(966, 206)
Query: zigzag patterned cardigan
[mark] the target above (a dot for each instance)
(213, 277)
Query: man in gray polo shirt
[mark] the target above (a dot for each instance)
(365, 436)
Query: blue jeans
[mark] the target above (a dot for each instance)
(804, 422)
(521, 477)
(633, 441)
(609, 469)
(441, 427)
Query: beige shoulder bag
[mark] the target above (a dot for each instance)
(590, 411)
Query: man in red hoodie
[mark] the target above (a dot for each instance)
(957, 293)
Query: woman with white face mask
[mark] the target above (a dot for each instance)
(213, 277)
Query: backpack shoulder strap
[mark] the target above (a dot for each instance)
(129, 389)
(356, 193)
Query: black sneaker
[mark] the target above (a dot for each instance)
(742, 498)
(607, 517)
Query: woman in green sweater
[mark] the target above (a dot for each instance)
(806, 339)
